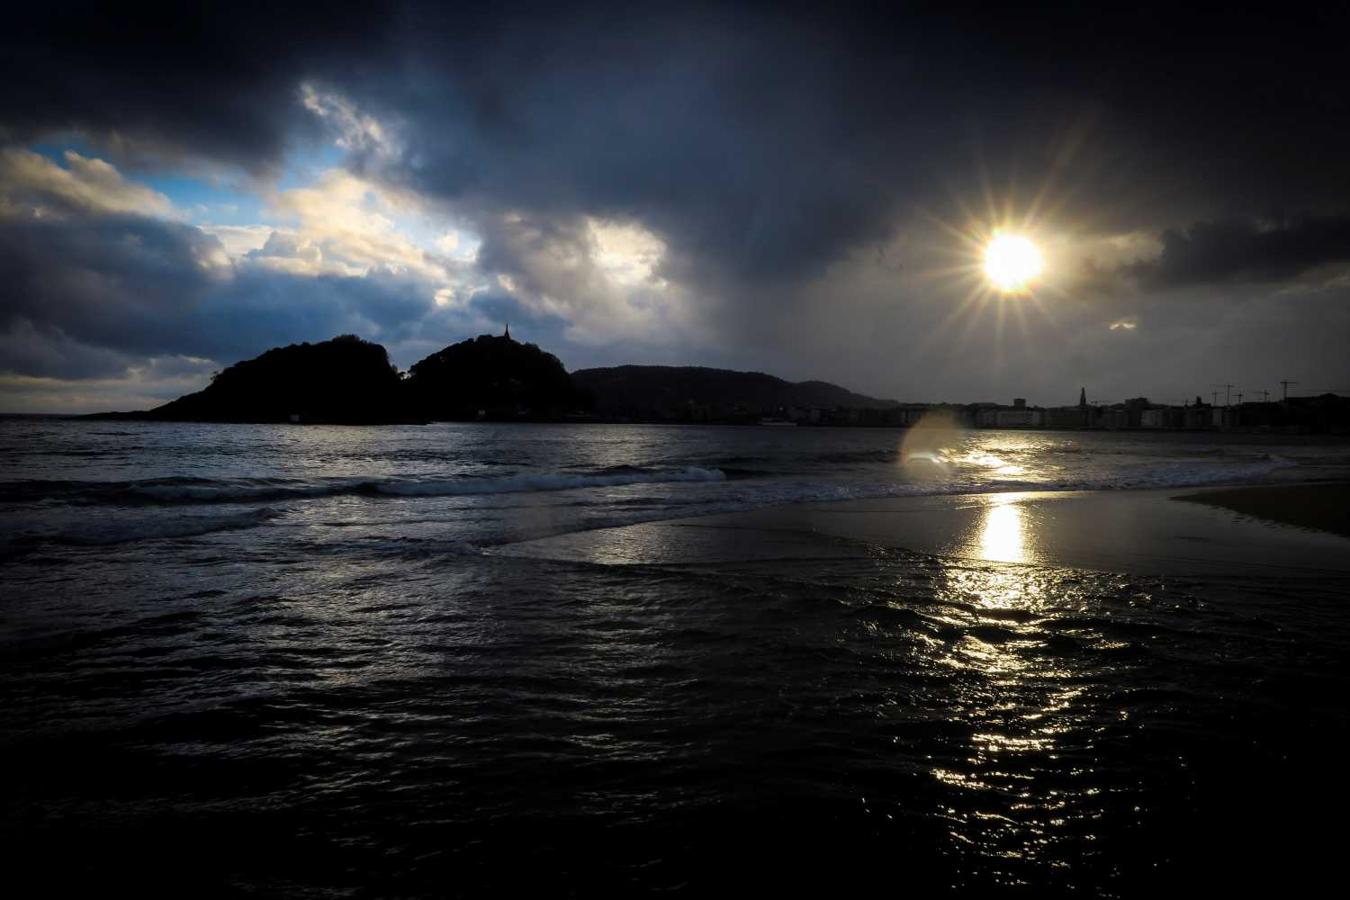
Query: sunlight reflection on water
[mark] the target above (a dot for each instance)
(1024, 703)
(1005, 531)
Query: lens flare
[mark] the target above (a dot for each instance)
(928, 443)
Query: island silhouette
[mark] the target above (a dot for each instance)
(350, 381)
(345, 380)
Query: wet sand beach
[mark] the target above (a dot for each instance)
(1136, 532)
(1325, 507)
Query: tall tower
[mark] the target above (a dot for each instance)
(1082, 398)
(508, 331)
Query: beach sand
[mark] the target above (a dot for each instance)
(1216, 532)
(1325, 507)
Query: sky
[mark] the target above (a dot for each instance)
(802, 189)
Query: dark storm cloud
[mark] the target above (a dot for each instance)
(763, 140)
(26, 349)
(213, 81)
(261, 308)
(117, 281)
(1216, 252)
(731, 135)
(131, 285)
(765, 144)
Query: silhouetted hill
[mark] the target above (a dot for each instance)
(346, 381)
(694, 393)
(492, 377)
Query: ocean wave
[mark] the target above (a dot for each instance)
(1176, 474)
(737, 485)
(105, 531)
(206, 491)
(174, 491)
(1026, 453)
(528, 483)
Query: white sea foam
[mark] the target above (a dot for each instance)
(121, 530)
(183, 491)
(236, 492)
(544, 482)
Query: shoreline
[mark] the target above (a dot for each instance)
(1317, 506)
(1334, 436)
(1136, 531)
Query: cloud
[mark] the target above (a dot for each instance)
(135, 286)
(115, 280)
(111, 288)
(240, 240)
(1233, 251)
(346, 225)
(150, 87)
(33, 185)
(358, 133)
(681, 129)
(141, 385)
(599, 277)
(48, 352)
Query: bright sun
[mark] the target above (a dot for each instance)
(1011, 263)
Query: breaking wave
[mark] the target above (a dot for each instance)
(195, 491)
(527, 483)
(105, 531)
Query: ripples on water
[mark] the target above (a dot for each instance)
(295, 708)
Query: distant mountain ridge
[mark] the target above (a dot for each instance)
(699, 393)
(348, 380)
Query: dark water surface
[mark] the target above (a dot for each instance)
(273, 661)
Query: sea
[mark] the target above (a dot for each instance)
(256, 660)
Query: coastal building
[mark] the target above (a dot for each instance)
(1019, 415)
(1153, 418)
(1325, 413)
(1114, 418)
(1023, 417)
(1065, 417)
(1196, 417)
(911, 414)
(1134, 411)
